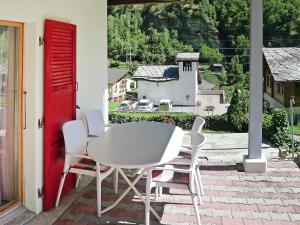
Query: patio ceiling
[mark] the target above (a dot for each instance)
(123, 2)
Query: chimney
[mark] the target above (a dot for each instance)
(187, 62)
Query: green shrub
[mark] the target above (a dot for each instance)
(217, 122)
(280, 128)
(238, 117)
(183, 120)
(131, 95)
(268, 126)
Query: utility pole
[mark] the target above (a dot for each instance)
(292, 103)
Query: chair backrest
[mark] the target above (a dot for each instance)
(95, 122)
(75, 137)
(197, 128)
(197, 146)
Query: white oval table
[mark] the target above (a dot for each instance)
(136, 145)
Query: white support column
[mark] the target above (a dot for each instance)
(255, 160)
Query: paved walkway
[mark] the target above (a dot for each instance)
(232, 197)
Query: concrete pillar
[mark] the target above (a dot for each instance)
(255, 160)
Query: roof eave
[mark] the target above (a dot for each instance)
(131, 2)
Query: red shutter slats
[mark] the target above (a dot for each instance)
(59, 102)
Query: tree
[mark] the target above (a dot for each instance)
(210, 55)
(279, 20)
(238, 115)
(242, 47)
(235, 73)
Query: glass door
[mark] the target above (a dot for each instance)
(10, 99)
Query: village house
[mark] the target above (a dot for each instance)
(179, 83)
(282, 78)
(119, 82)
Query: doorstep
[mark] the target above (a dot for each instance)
(48, 218)
(17, 216)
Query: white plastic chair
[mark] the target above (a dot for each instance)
(76, 159)
(196, 128)
(180, 178)
(95, 122)
(185, 154)
(96, 127)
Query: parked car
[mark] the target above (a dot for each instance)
(127, 105)
(145, 105)
(165, 105)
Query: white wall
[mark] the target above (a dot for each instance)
(90, 18)
(175, 90)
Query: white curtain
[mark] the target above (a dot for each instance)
(8, 156)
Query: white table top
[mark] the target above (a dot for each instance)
(137, 145)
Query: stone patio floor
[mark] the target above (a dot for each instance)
(232, 197)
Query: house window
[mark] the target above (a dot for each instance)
(297, 89)
(187, 66)
(280, 88)
(268, 80)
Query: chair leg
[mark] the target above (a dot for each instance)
(99, 181)
(156, 193)
(197, 213)
(198, 174)
(116, 180)
(160, 191)
(61, 185)
(198, 191)
(77, 180)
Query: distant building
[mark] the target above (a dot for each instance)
(282, 78)
(119, 82)
(179, 83)
(216, 67)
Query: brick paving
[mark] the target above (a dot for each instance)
(232, 197)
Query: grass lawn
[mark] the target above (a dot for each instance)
(112, 106)
(296, 129)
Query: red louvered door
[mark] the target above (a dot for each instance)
(59, 103)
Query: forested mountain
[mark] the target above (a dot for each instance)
(219, 29)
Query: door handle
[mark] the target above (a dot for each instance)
(25, 110)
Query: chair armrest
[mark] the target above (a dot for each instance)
(82, 156)
(186, 150)
(173, 169)
(186, 132)
(190, 147)
(181, 162)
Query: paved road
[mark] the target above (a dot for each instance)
(231, 147)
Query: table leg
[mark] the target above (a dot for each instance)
(131, 186)
(124, 193)
(148, 193)
(138, 193)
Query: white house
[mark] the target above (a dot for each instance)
(119, 83)
(179, 83)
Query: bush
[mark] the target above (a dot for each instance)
(131, 95)
(267, 126)
(217, 122)
(280, 128)
(183, 120)
(238, 117)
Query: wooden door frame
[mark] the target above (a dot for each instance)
(20, 121)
